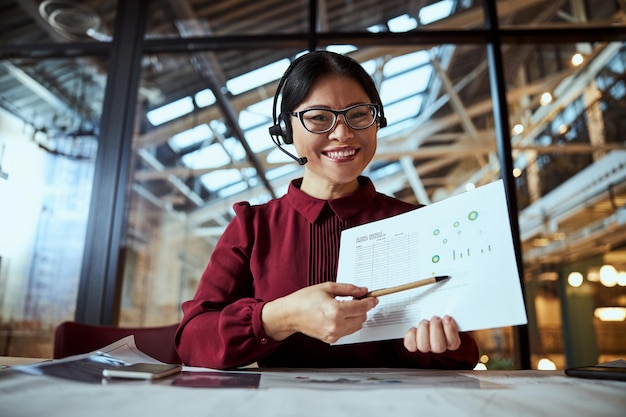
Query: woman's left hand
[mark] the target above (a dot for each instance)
(435, 335)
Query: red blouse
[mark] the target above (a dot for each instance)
(271, 250)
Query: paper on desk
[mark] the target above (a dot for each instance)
(467, 236)
(88, 367)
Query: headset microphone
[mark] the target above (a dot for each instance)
(277, 131)
(300, 161)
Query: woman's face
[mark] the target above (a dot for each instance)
(335, 158)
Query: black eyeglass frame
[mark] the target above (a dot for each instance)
(373, 107)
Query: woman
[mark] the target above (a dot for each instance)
(268, 294)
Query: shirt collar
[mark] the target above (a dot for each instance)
(343, 207)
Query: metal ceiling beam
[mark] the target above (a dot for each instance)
(38, 89)
(589, 187)
(152, 161)
(210, 70)
(570, 89)
(427, 38)
(455, 101)
(414, 179)
(186, 25)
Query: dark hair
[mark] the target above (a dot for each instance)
(304, 70)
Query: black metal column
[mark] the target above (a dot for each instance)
(503, 140)
(98, 293)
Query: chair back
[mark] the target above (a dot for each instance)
(71, 338)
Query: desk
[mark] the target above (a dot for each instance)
(16, 360)
(297, 393)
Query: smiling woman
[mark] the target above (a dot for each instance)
(269, 290)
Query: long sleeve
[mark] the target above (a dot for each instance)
(221, 325)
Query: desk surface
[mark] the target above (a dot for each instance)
(362, 392)
(16, 360)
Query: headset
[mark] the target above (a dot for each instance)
(282, 125)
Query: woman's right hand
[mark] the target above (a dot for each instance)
(316, 312)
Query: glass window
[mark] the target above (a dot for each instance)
(48, 146)
(567, 159)
(50, 109)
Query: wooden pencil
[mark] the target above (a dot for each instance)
(407, 286)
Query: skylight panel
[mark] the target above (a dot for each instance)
(190, 137)
(216, 180)
(618, 90)
(370, 66)
(259, 138)
(234, 149)
(272, 174)
(170, 111)
(436, 11)
(341, 49)
(376, 28)
(248, 119)
(257, 77)
(385, 171)
(403, 23)
(393, 130)
(403, 109)
(212, 156)
(236, 188)
(405, 62)
(204, 98)
(263, 107)
(240, 186)
(218, 127)
(407, 84)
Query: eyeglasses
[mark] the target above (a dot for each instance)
(359, 116)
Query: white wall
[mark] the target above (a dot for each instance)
(44, 207)
(21, 196)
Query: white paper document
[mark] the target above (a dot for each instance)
(467, 236)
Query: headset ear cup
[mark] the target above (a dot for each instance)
(282, 129)
(286, 129)
(276, 130)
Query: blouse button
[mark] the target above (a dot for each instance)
(264, 340)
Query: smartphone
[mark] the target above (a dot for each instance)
(598, 372)
(142, 371)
